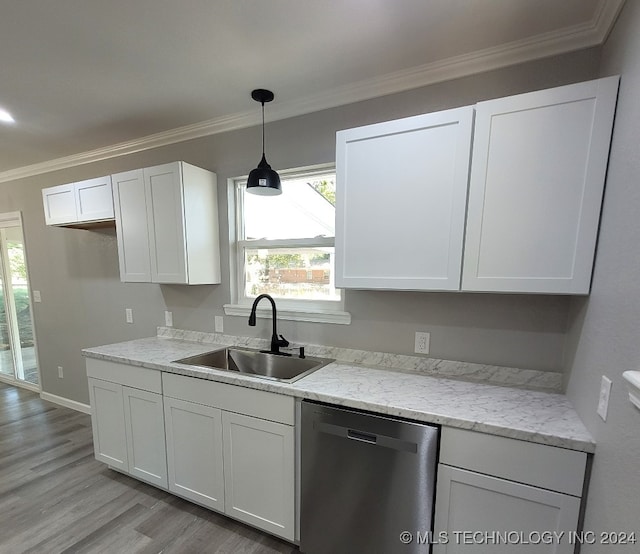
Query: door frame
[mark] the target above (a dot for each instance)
(14, 219)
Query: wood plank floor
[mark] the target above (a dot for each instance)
(55, 497)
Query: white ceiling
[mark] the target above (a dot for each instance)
(80, 76)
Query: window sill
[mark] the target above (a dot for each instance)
(291, 314)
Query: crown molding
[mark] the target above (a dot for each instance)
(592, 33)
(605, 18)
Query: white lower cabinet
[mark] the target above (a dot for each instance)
(259, 472)
(194, 451)
(144, 429)
(127, 419)
(497, 495)
(107, 421)
(232, 449)
(478, 512)
(225, 447)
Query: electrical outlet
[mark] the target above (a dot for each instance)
(603, 400)
(128, 312)
(219, 324)
(36, 296)
(60, 372)
(168, 319)
(422, 343)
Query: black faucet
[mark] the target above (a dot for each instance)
(276, 342)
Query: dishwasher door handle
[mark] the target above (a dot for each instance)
(368, 438)
(360, 436)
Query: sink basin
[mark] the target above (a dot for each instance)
(257, 364)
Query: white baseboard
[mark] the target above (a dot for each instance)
(62, 401)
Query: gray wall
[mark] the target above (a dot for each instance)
(604, 328)
(83, 301)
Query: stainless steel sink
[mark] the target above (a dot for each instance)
(257, 364)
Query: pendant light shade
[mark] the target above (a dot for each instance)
(263, 180)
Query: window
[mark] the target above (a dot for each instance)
(284, 246)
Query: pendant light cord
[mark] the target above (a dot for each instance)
(262, 128)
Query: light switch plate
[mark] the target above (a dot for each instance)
(36, 296)
(603, 400)
(168, 318)
(128, 313)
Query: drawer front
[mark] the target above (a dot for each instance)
(131, 376)
(548, 467)
(232, 398)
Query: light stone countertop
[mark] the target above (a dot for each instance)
(534, 416)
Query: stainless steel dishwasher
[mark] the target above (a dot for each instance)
(367, 482)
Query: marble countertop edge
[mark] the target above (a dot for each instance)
(387, 391)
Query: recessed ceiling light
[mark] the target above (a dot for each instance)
(6, 117)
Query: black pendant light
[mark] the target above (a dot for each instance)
(263, 180)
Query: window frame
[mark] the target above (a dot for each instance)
(321, 311)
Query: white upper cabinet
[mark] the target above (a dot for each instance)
(131, 226)
(537, 178)
(87, 201)
(94, 200)
(59, 205)
(401, 199)
(167, 224)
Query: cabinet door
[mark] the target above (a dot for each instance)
(194, 452)
(259, 473)
(131, 226)
(144, 424)
(107, 421)
(468, 502)
(537, 178)
(165, 218)
(401, 200)
(59, 204)
(94, 199)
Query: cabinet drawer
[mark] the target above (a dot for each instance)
(131, 376)
(548, 467)
(233, 398)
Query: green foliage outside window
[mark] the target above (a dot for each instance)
(16, 260)
(25, 329)
(327, 189)
(278, 261)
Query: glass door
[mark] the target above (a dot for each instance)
(18, 360)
